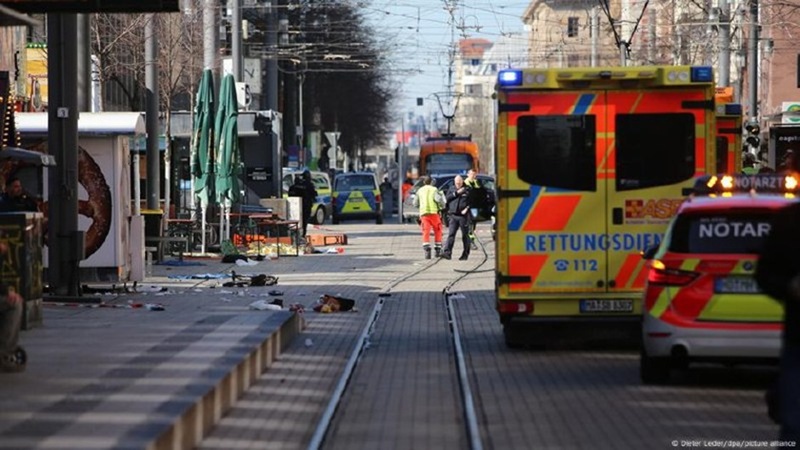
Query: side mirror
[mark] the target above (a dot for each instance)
(650, 253)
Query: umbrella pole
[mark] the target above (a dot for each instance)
(192, 210)
(226, 209)
(203, 230)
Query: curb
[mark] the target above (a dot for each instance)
(200, 416)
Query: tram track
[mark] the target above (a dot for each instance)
(468, 410)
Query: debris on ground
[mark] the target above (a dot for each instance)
(251, 280)
(331, 303)
(246, 262)
(263, 305)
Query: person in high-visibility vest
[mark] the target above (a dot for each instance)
(430, 201)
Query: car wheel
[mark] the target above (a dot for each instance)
(319, 215)
(378, 219)
(512, 341)
(653, 370)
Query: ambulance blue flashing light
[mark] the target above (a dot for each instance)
(701, 74)
(733, 109)
(510, 77)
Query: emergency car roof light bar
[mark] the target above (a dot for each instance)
(701, 74)
(510, 78)
(765, 183)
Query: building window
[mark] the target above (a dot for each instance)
(473, 89)
(572, 27)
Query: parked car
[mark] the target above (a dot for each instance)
(443, 183)
(323, 207)
(356, 196)
(701, 301)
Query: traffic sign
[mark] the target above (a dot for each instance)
(333, 136)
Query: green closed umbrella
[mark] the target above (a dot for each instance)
(202, 153)
(227, 161)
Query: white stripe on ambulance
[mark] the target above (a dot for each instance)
(581, 242)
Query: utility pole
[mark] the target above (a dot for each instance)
(724, 76)
(625, 30)
(401, 167)
(595, 35)
(236, 40)
(151, 116)
(211, 39)
(65, 241)
(271, 97)
(752, 61)
(84, 64)
(651, 36)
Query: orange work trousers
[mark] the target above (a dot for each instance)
(431, 222)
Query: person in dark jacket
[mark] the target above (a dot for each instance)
(14, 199)
(458, 215)
(303, 187)
(778, 275)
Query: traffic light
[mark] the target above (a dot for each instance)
(753, 138)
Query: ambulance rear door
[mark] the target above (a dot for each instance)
(586, 180)
(657, 141)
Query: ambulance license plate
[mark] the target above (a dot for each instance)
(736, 285)
(604, 306)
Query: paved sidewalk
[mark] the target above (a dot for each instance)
(122, 377)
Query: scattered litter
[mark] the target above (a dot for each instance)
(233, 258)
(309, 342)
(384, 294)
(246, 262)
(225, 300)
(297, 307)
(335, 250)
(199, 276)
(147, 306)
(277, 301)
(151, 289)
(177, 262)
(263, 305)
(263, 280)
(456, 296)
(330, 303)
(275, 293)
(225, 292)
(253, 280)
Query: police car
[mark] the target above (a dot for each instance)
(356, 196)
(701, 301)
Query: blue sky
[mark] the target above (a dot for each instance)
(418, 34)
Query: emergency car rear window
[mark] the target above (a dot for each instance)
(654, 149)
(444, 162)
(364, 182)
(731, 232)
(557, 151)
